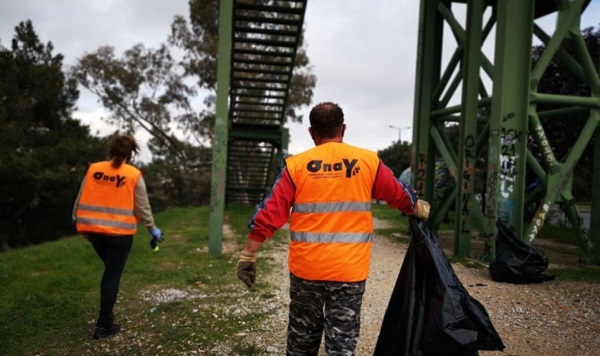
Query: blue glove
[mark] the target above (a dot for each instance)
(156, 238)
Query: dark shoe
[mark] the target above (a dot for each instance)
(101, 333)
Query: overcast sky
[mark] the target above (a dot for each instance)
(364, 56)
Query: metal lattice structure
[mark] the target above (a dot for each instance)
(499, 118)
(258, 41)
(498, 109)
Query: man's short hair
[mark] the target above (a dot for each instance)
(326, 119)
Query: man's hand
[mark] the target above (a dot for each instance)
(421, 210)
(246, 268)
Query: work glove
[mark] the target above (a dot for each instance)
(156, 238)
(246, 268)
(421, 210)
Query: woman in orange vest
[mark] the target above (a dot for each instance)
(111, 201)
(329, 190)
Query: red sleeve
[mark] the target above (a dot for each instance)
(397, 194)
(274, 211)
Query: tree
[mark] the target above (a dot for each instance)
(170, 184)
(43, 151)
(143, 89)
(563, 132)
(147, 89)
(199, 40)
(397, 156)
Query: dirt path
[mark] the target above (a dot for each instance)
(554, 318)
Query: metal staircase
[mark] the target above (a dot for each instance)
(258, 41)
(264, 38)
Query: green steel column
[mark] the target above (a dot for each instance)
(219, 149)
(280, 154)
(508, 121)
(285, 141)
(557, 175)
(468, 129)
(429, 55)
(595, 208)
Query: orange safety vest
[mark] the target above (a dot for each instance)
(106, 203)
(331, 223)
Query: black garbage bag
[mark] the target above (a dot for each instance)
(430, 312)
(517, 262)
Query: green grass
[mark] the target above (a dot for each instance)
(397, 224)
(560, 234)
(392, 216)
(589, 274)
(50, 293)
(467, 262)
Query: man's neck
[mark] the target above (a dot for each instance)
(321, 141)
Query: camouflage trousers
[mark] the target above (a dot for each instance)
(333, 307)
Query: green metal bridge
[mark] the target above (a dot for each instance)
(497, 112)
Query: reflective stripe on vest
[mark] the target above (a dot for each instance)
(102, 209)
(331, 207)
(102, 222)
(330, 238)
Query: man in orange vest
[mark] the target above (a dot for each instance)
(329, 190)
(111, 200)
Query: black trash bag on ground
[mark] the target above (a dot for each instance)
(430, 312)
(517, 262)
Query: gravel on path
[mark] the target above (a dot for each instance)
(552, 318)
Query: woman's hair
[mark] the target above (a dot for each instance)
(326, 119)
(121, 148)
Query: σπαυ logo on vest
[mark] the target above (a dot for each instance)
(316, 166)
(102, 178)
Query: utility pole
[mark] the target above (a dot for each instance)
(399, 131)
